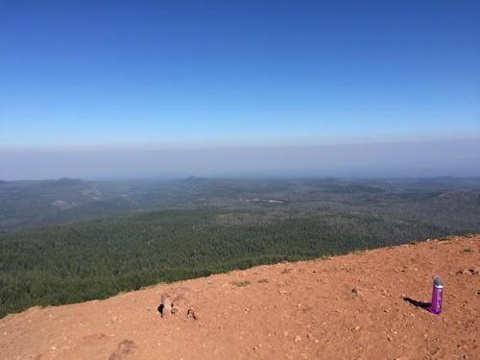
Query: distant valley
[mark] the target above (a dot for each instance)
(27, 204)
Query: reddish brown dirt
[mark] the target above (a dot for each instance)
(347, 307)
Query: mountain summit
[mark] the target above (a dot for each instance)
(365, 305)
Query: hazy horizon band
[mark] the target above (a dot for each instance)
(414, 158)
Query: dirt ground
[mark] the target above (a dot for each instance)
(347, 307)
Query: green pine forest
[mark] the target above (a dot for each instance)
(95, 259)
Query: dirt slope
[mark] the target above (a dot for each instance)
(348, 307)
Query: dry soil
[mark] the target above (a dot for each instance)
(364, 305)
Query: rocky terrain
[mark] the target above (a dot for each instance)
(365, 305)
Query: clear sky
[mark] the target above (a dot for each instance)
(242, 74)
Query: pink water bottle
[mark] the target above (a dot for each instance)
(437, 296)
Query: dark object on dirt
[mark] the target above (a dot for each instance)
(474, 271)
(166, 309)
(166, 306)
(191, 314)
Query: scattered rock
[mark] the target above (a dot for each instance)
(354, 293)
(191, 314)
(166, 306)
(124, 348)
(473, 271)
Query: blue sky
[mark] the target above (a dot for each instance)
(215, 74)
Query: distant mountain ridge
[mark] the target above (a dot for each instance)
(50, 202)
(33, 203)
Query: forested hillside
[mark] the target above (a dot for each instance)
(54, 202)
(257, 225)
